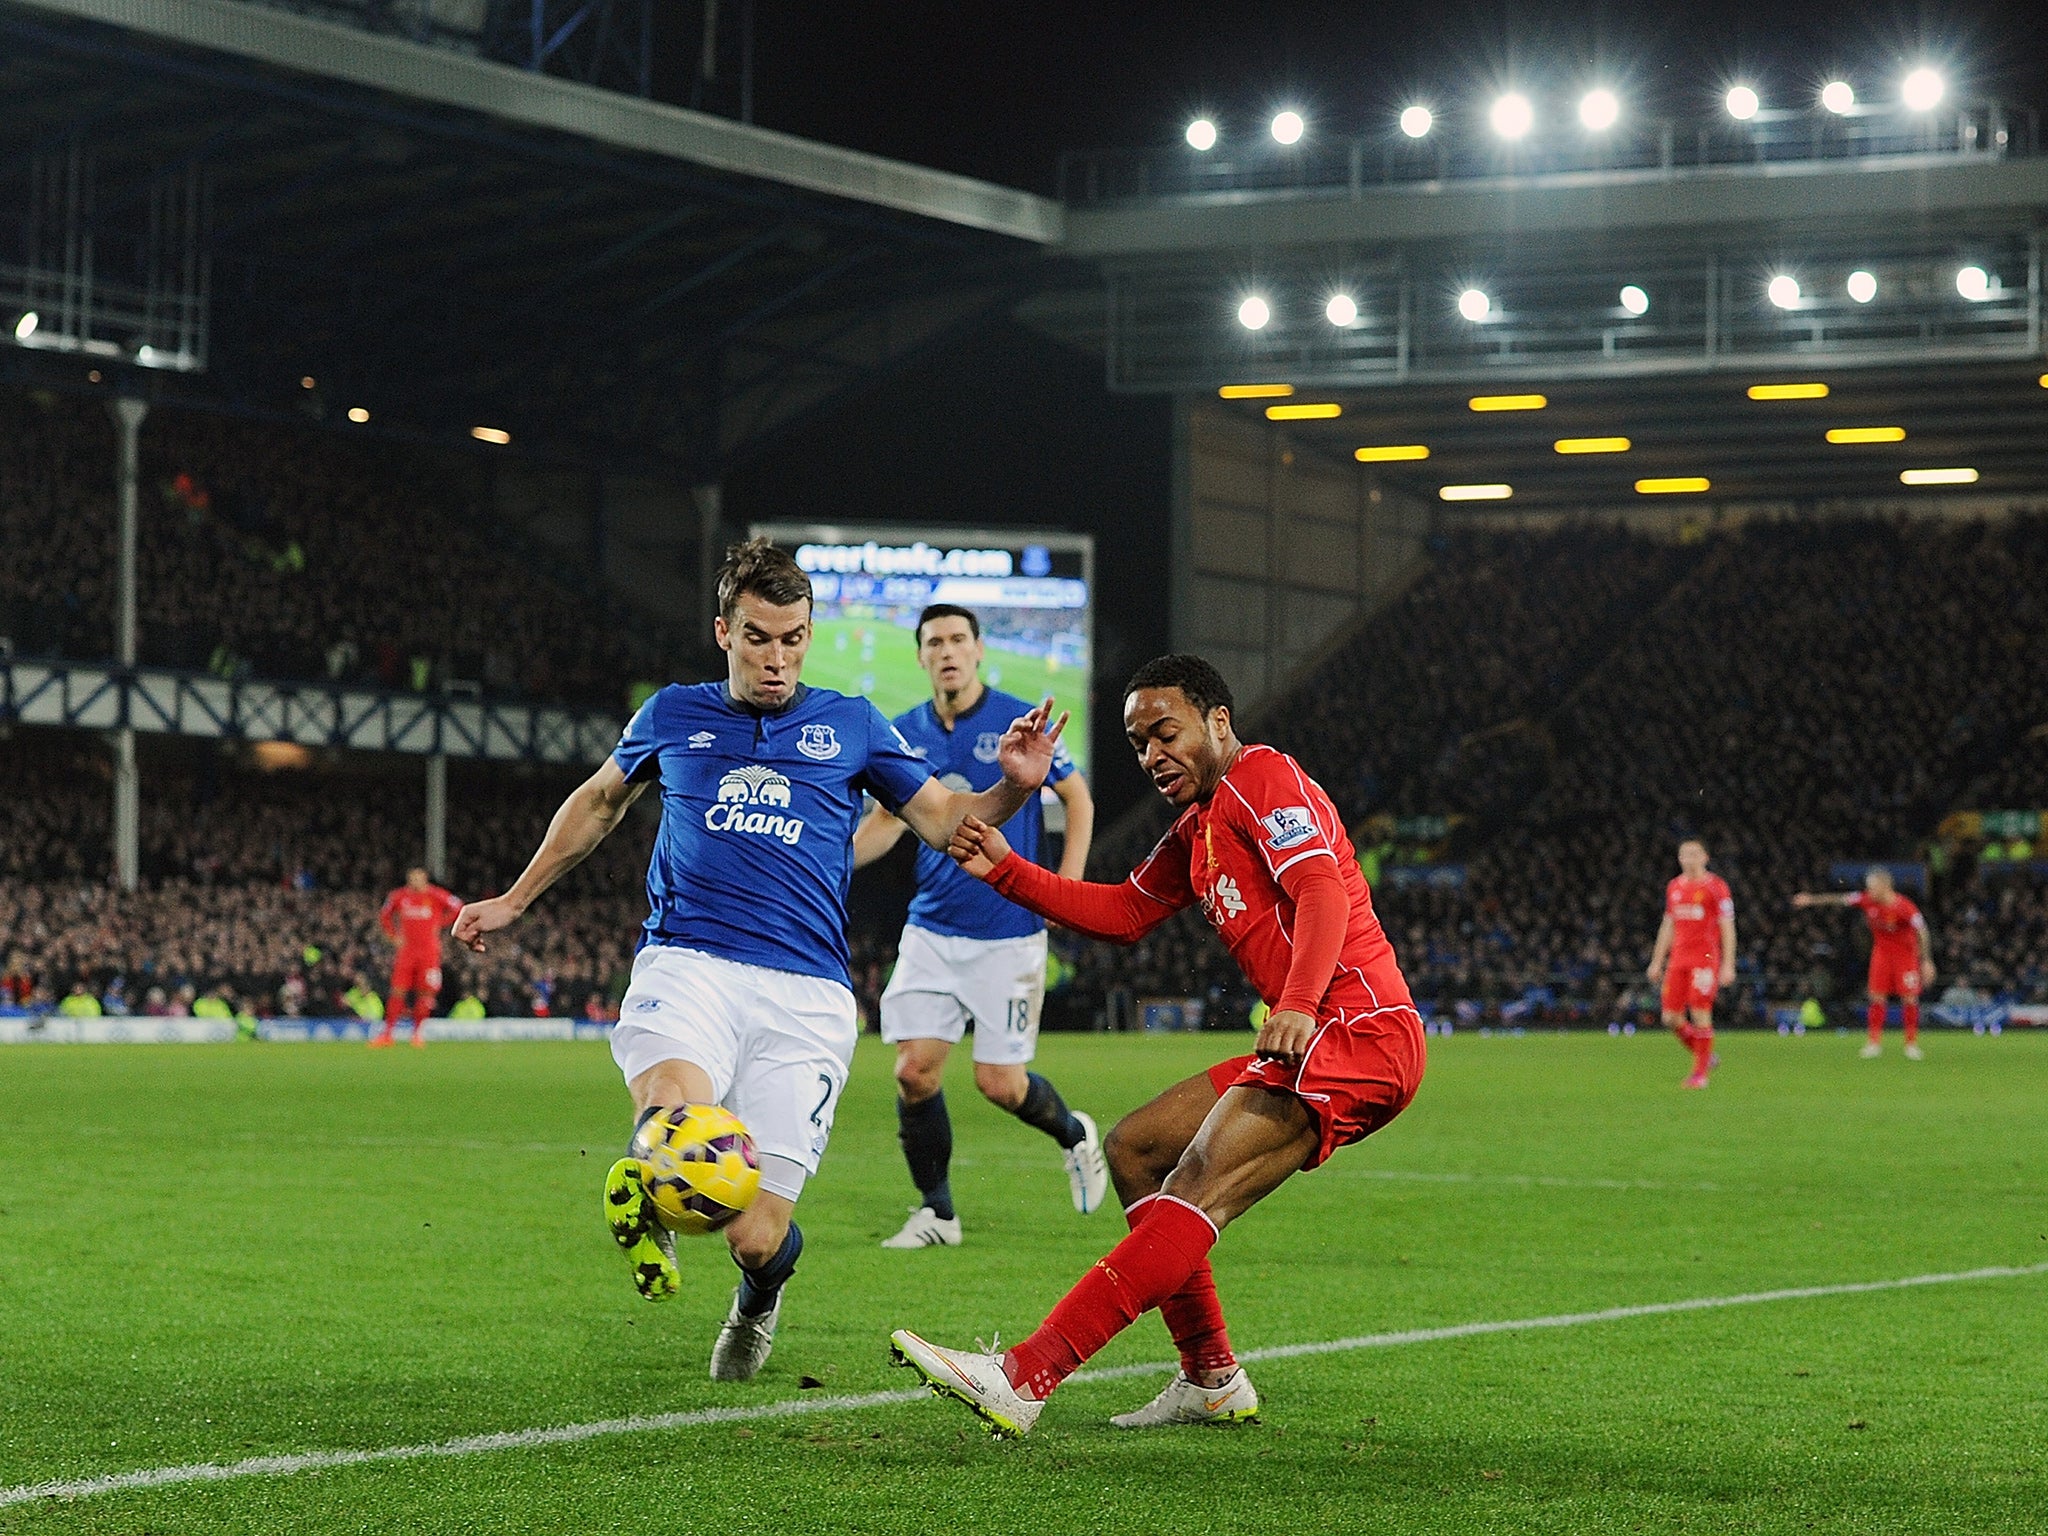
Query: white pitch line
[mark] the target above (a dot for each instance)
(569, 1434)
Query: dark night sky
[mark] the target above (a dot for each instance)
(1009, 428)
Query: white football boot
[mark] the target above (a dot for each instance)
(1188, 1402)
(1870, 1050)
(976, 1380)
(744, 1342)
(1087, 1169)
(1914, 1053)
(926, 1229)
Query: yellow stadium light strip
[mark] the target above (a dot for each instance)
(1509, 402)
(490, 435)
(1788, 391)
(1938, 477)
(1673, 485)
(1321, 410)
(1866, 434)
(1255, 391)
(1476, 492)
(2044, 381)
(1592, 445)
(1393, 453)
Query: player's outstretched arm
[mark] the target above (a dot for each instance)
(1120, 914)
(593, 808)
(877, 833)
(1025, 753)
(1804, 899)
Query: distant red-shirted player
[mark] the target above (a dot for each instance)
(1261, 849)
(1901, 953)
(416, 914)
(1694, 956)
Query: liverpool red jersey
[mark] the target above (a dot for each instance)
(1894, 925)
(1696, 908)
(1228, 855)
(416, 918)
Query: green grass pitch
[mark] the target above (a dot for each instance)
(878, 661)
(211, 1253)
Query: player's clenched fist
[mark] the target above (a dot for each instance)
(1285, 1036)
(977, 847)
(478, 918)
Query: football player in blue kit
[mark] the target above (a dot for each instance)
(968, 956)
(741, 994)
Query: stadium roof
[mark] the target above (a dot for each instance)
(446, 241)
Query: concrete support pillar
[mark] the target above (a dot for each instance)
(437, 816)
(709, 500)
(128, 414)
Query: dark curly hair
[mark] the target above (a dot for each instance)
(759, 568)
(1200, 684)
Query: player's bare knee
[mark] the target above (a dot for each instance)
(1003, 1086)
(1138, 1160)
(917, 1080)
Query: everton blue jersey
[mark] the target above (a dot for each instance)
(755, 849)
(948, 900)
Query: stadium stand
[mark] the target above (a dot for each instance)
(291, 553)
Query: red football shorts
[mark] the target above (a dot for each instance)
(1361, 1069)
(1690, 986)
(416, 971)
(1895, 975)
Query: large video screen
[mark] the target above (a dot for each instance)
(1031, 591)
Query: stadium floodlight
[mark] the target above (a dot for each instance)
(1288, 127)
(1838, 96)
(1474, 305)
(307, 382)
(496, 435)
(1635, 300)
(1673, 485)
(1342, 310)
(1862, 287)
(1570, 445)
(1784, 291)
(1416, 121)
(358, 414)
(1201, 134)
(1495, 492)
(1599, 109)
(1937, 477)
(1974, 284)
(1742, 102)
(1788, 391)
(1392, 453)
(1512, 116)
(1922, 90)
(1840, 435)
(1255, 391)
(1508, 402)
(1308, 410)
(25, 327)
(1254, 313)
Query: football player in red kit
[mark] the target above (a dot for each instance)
(415, 914)
(1261, 849)
(1901, 953)
(1694, 956)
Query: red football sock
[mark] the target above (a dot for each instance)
(1875, 1015)
(1155, 1261)
(1702, 1050)
(1193, 1315)
(1911, 1009)
(393, 1007)
(423, 1005)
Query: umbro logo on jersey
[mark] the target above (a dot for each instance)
(702, 739)
(1222, 901)
(1288, 827)
(754, 785)
(818, 743)
(987, 745)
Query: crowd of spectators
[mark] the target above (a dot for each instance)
(292, 554)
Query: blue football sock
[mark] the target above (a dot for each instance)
(759, 1287)
(1044, 1108)
(926, 1131)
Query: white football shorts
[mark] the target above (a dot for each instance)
(942, 982)
(777, 1047)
